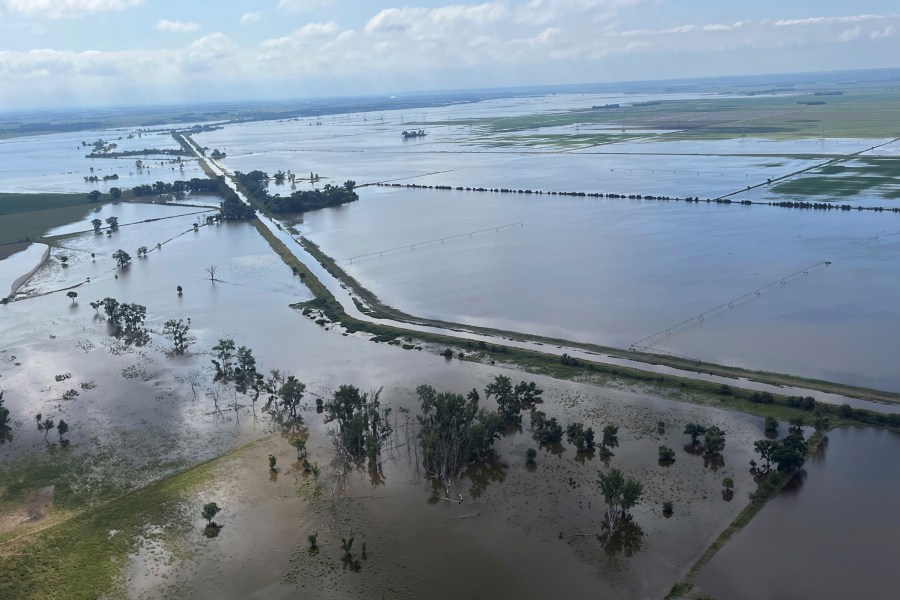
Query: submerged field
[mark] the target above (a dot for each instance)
(115, 508)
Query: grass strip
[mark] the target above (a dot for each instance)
(769, 487)
(83, 556)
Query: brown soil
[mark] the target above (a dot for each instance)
(34, 509)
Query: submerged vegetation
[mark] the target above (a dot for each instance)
(255, 183)
(449, 435)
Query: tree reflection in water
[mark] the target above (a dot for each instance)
(627, 539)
(483, 474)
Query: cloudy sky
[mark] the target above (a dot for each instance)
(98, 52)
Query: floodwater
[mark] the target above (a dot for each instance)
(137, 410)
(57, 163)
(833, 534)
(605, 271)
(615, 271)
(612, 272)
(19, 264)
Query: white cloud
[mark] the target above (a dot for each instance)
(889, 31)
(456, 44)
(214, 46)
(723, 27)
(251, 17)
(177, 26)
(850, 34)
(828, 20)
(59, 9)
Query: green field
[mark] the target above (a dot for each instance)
(848, 179)
(863, 114)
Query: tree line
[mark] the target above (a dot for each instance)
(255, 183)
(688, 199)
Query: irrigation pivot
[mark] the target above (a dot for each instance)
(646, 343)
(434, 241)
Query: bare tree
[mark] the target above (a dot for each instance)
(212, 270)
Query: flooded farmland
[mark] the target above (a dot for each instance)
(831, 533)
(810, 293)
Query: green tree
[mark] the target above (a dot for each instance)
(530, 456)
(272, 461)
(610, 436)
(115, 193)
(247, 380)
(300, 444)
(695, 431)
(550, 431)
(454, 432)
(620, 493)
(111, 308)
(97, 223)
(210, 510)
(580, 436)
(178, 330)
(223, 361)
(113, 223)
(771, 425)
(790, 454)
(290, 394)
(766, 451)
(362, 424)
(130, 318)
(122, 258)
(72, 295)
(62, 429)
(44, 425)
(666, 454)
(94, 196)
(713, 440)
(511, 401)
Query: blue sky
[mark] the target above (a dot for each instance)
(95, 52)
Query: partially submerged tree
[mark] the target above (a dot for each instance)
(454, 432)
(247, 380)
(362, 423)
(666, 455)
(694, 430)
(713, 440)
(511, 401)
(72, 295)
(44, 425)
(223, 361)
(122, 258)
(212, 270)
(62, 429)
(300, 444)
(620, 493)
(610, 436)
(177, 331)
(580, 436)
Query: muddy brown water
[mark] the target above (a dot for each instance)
(142, 409)
(503, 539)
(832, 534)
